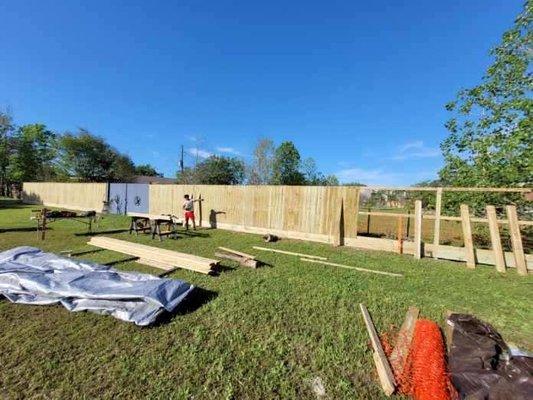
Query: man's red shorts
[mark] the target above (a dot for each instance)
(189, 215)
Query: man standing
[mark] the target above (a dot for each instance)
(188, 207)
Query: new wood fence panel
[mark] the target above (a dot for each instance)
(75, 196)
(310, 210)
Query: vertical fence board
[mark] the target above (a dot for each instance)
(495, 238)
(436, 229)
(516, 240)
(467, 237)
(418, 229)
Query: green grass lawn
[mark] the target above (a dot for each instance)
(253, 334)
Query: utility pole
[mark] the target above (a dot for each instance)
(181, 160)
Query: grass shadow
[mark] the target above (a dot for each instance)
(196, 299)
(102, 232)
(23, 229)
(194, 234)
(12, 203)
(121, 261)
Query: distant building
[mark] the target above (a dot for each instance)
(159, 180)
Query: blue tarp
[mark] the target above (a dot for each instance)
(30, 276)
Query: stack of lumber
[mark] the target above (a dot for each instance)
(245, 260)
(155, 256)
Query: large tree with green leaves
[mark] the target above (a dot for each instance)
(90, 158)
(491, 130)
(214, 170)
(146, 170)
(7, 130)
(33, 155)
(286, 165)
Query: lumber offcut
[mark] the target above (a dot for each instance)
(386, 377)
(246, 260)
(372, 271)
(155, 256)
(290, 253)
(399, 354)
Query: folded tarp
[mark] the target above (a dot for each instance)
(30, 276)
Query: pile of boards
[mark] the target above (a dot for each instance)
(167, 260)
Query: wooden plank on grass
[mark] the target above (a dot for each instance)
(403, 343)
(385, 374)
(289, 253)
(246, 260)
(467, 237)
(161, 258)
(516, 240)
(418, 229)
(372, 271)
(494, 229)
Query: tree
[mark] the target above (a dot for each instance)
(89, 158)
(260, 172)
(313, 177)
(286, 166)
(214, 170)
(33, 154)
(491, 140)
(6, 132)
(146, 170)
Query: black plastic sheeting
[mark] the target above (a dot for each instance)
(481, 364)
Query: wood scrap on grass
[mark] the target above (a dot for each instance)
(386, 377)
(372, 271)
(400, 352)
(245, 260)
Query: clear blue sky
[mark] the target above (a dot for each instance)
(358, 85)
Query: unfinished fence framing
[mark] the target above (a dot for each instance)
(316, 213)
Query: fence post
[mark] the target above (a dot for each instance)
(470, 255)
(200, 210)
(399, 235)
(418, 229)
(495, 239)
(516, 240)
(436, 229)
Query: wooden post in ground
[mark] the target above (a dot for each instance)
(200, 210)
(399, 235)
(470, 256)
(418, 229)
(516, 240)
(436, 229)
(495, 239)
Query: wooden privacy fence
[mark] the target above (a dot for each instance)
(317, 213)
(76, 196)
(299, 212)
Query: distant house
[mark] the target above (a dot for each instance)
(159, 180)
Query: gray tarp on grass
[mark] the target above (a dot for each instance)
(30, 276)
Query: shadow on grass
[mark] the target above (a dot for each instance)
(22, 229)
(102, 232)
(196, 299)
(12, 203)
(121, 261)
(194, 234)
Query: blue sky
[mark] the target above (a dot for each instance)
(360, 86)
